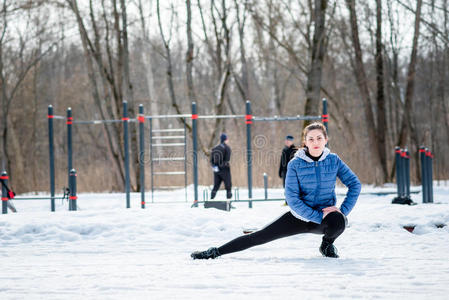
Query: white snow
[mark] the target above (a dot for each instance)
(105, 251)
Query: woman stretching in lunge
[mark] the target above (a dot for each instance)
(310, 194)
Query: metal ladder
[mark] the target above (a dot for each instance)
(165, 139)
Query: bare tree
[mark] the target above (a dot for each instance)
(317, 53)
(129, 90)
(189, 54)
(168, 58)
(220, 51)
(92, 54)
(362, 83)
(114, 74)
(148, 62)
(274, 52)
(297, 65)
(380, 96)
(407, 127)
(271, 60)
(15, 66)
(241, 10)
(395, 103)
(444, 77)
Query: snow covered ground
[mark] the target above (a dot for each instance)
(105, 251)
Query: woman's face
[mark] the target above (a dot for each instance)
(315, 142)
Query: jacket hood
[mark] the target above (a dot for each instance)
(301, 153)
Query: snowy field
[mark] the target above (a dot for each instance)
(104, 251)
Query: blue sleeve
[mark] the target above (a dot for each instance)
(349, 179)
(292, 196)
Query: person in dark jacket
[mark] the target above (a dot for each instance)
(287, 154)
(220, 157)
(310, 194)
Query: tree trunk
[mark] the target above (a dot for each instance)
(22, 61)
(274, 104)
(90, 54)
(219, 108)
(34, 135)
(189, 54)
(406, 121)
(242, 81)
(317, 52)
(225, 67)
(443, 78)
(381, 119)
(129, 93)
(147, 60)
(169, 69)
(407, 126)
(362, 83)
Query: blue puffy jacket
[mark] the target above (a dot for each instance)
(310, 185)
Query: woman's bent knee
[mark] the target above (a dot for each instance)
(336, 219)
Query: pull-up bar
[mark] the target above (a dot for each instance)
(296, 118)
(70, 122)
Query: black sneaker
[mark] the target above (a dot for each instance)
(328, 249)
(209, 253)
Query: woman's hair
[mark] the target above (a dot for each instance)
(310, 127)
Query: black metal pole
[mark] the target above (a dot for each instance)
(430, 177)
(142, 154)
(403, 173)
(125, 120)
(249, 159)
(72, 187)
(51, 153)
(151, 159)
(397, 155)
(407, 173)
(265, 185)
(428, 183)
(69, 147)
(325, 118)
(5, 198)
(185, 161)
(195, 152)
(422, 153)
(427, 174)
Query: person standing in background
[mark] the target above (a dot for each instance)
(287, 154)
(220, 157)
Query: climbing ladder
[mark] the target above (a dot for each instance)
(163, 139)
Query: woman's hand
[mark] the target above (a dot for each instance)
(329, 209)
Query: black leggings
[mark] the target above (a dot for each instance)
(332, 226)
(223, 175)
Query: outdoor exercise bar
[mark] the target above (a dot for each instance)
(70, 122)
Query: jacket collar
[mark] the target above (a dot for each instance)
(301, 153)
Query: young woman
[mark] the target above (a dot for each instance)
(310, 194)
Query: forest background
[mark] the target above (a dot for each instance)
(382, 65)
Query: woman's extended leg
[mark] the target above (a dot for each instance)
(285, 225)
